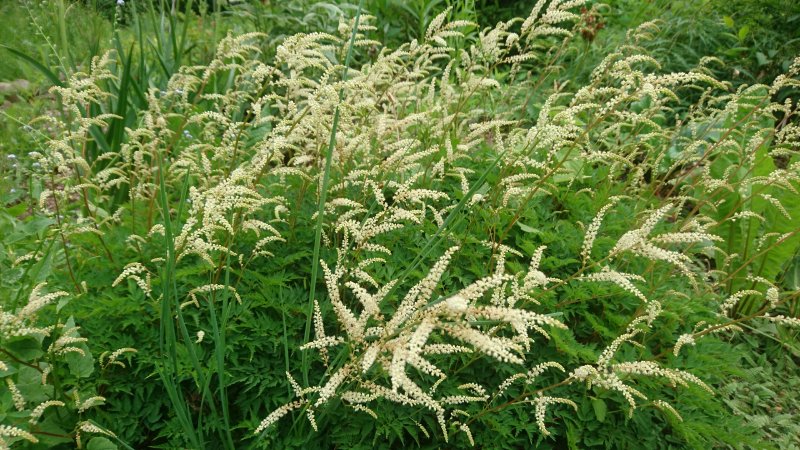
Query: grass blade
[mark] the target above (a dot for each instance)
(323, 196)
(52, 77)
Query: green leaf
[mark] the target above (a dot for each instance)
(600, 409)
(80, 365)
(101, 443)
(792, 279)
(573, 435)
(39, 66)
(728, 21)
(527, 228)
(25, 348)
(29, 383)
(117, 129)
(743, 32)
(53, 432)
(16, 210)
(743, 235)
(772, 262)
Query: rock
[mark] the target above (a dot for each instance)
(15, 87)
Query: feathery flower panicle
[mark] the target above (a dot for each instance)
(622, 280)
(66, 343)
(782, 320)
(83, 405)
(684, 339)
(12, 432)
(403, 340)
(594, 228)
(662, 405)
(641, 244)
(541, 408)
(16, 395)
(39, 410)
(134, 272)
(89, 427)
(107, 359)
(37, 300)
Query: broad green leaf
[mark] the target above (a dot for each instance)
(101, 443)
(600, 409)
(742, 235)
(26, 348)
(792, 279)
(743, 32)
(80, 365)
(53, 432)
(728, 21)
(29, 383)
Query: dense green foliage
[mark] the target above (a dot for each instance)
(203, 213)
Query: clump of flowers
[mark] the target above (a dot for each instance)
(25, 358)
(420, 155)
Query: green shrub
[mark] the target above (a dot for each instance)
(51, 385)
(439, 244)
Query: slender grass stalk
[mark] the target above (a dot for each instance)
(285, 346)
(323, 194)
(168, 342)
(62, 33)
(219, 351)
(171, 306)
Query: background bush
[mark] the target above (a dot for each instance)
(198, 190)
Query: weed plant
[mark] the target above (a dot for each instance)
(338, 243)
